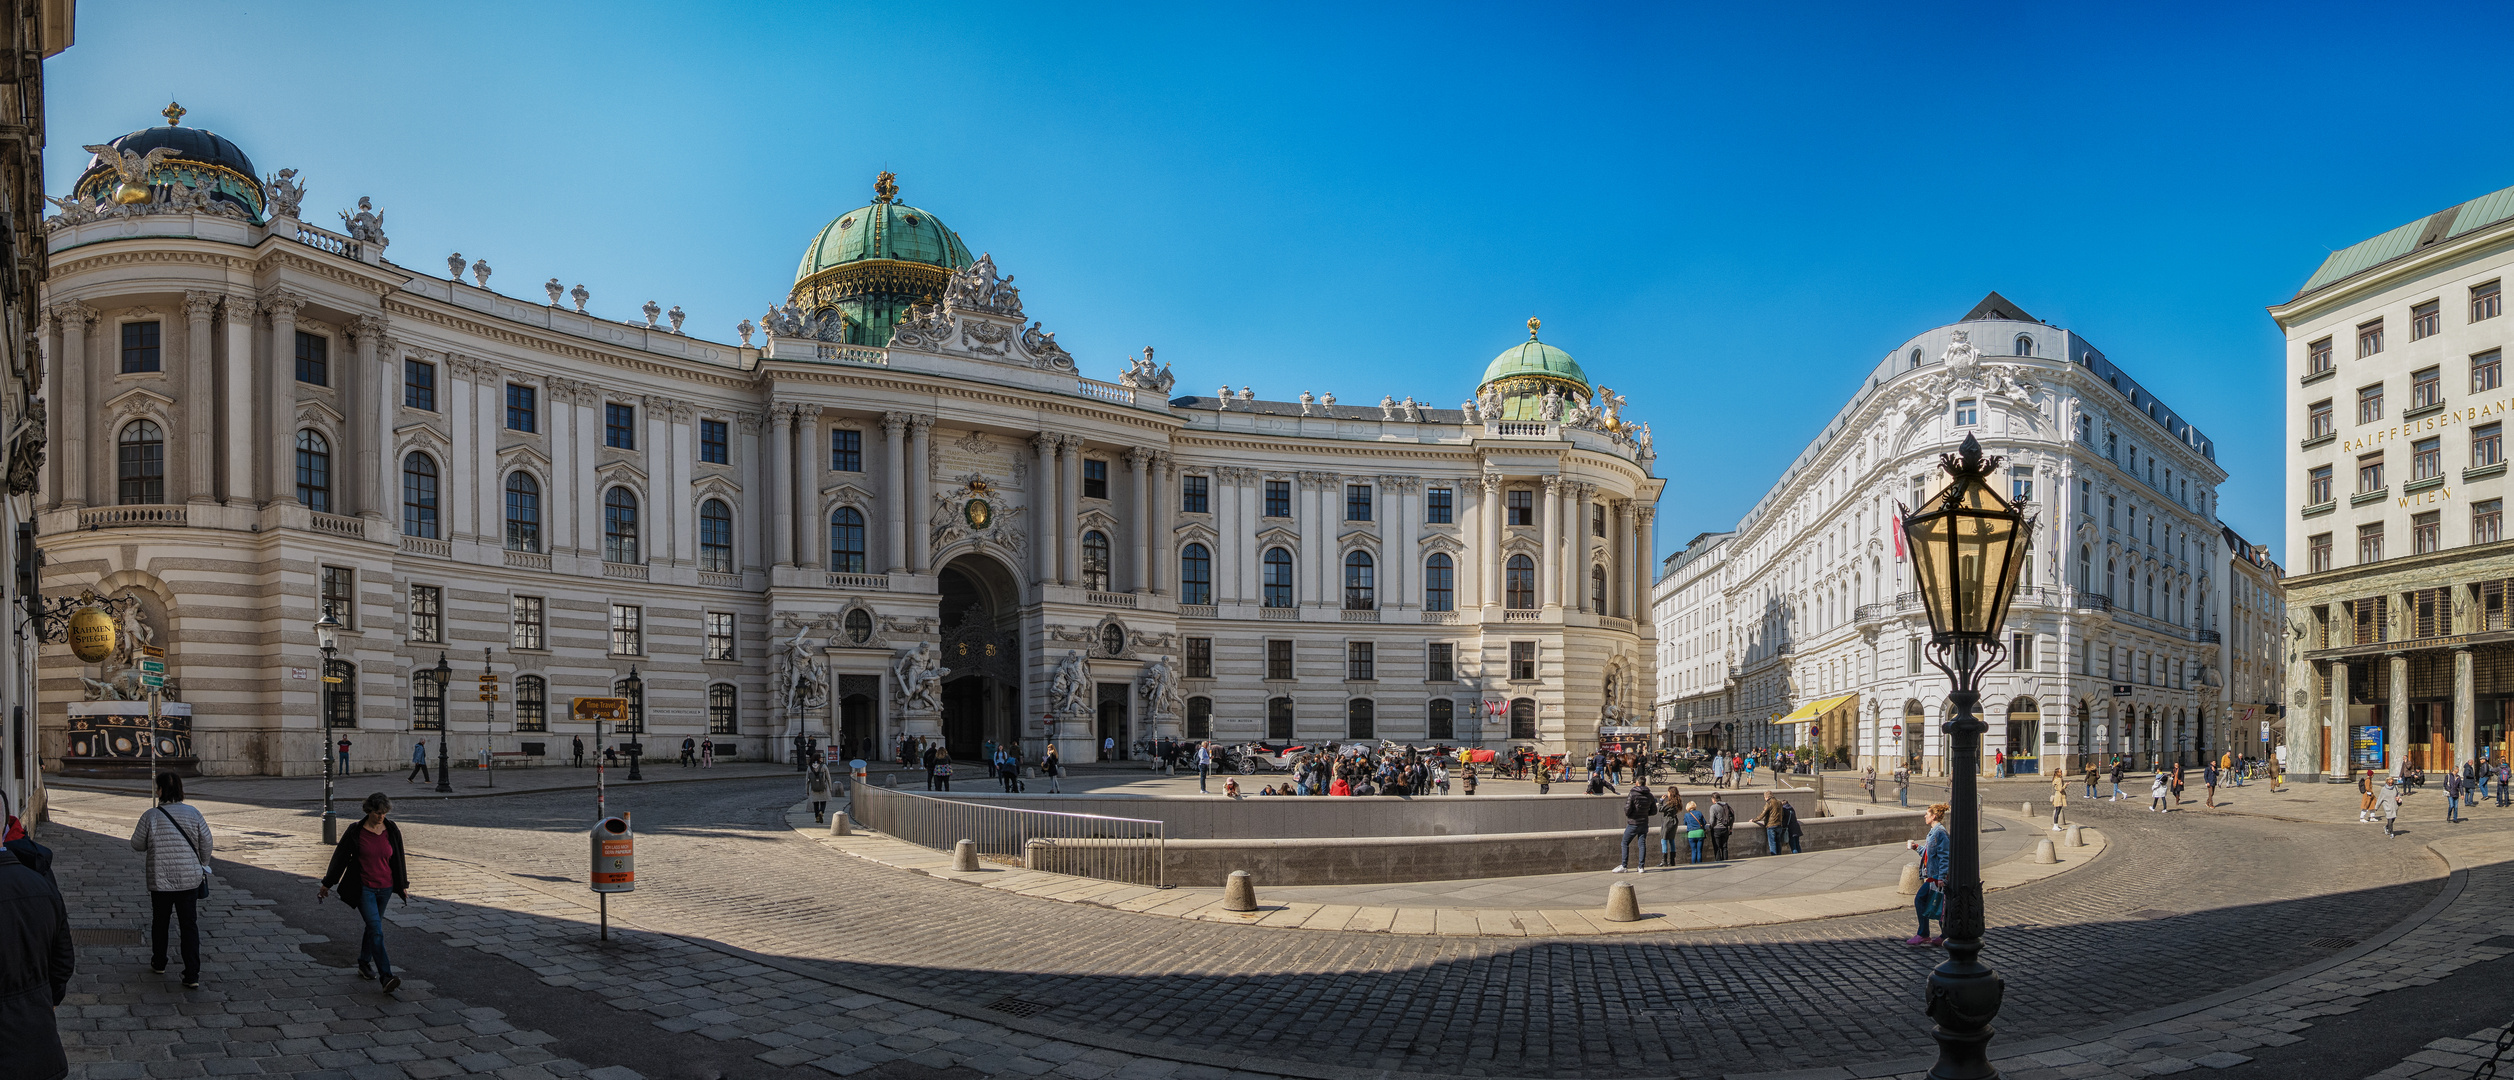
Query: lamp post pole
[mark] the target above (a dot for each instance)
(444, 764)
(636, 700)
(488, 720)
(326, 636)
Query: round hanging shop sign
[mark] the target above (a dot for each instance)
(91, 634)
(977, 512)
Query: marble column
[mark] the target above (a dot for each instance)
(1496, 527)
(1226, 528)
(1402, 552)
(2396, 739)
(70, 370)
(279, 415)
(781, 480)
(370, 428)
(2335, 722)
(1163, 478)
(1468, 503)
(1069, 514)
(237, 436)
(200, 415)
(920, 494)
(1619, 556)
(895, 489)
(1550, 538)
(1138, 550)
(1645, 560)
(1043, 507)
(2465, 711)
(1578, 542)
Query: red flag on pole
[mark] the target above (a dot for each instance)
(1899, 514)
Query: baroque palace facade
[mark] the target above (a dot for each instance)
(1798, 626)
(903, 511)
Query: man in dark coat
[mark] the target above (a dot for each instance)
(36, 959)
(1723, 822)
(1634, 852)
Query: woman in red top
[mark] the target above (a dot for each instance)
(369, 868)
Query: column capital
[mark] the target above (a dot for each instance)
(781, 414)
(1492, 484)
(1072, 443)
(1401, 484)
(1321, 480)
(919, 424)
(1138, 459)
(1045, 443)
(747, 423)
(1553, 484)
(1643, 515)
(200, 305)
(72, 311)
(365, 329)
(280, 303)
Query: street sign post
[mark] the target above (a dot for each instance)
(595, 710)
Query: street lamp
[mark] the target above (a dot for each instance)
(444, 673)
(634, 689)
(1967, 549)
(327, 637)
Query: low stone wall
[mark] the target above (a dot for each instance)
(1381, 859)
(1294, 817)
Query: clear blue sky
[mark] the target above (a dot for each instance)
(1727, 215)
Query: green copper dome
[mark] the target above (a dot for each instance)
(1523, 373)
(1533, 357)
(884, 229)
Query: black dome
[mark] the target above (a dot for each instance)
(189, 144)
(199, 155)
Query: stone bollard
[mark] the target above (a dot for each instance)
(2076, 839)
(1621, 903)
(2026, 809)
(838, 824)
(2043, 854)
(1910, 884)
(964, 856)
(1239, 893)
(890, 780)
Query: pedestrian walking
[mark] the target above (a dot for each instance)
(2159, 788)
(577, 753)
(2453, 788)
(2094, 776)
(930, 756)
(1930, 902)
(942, 773)
(816, 788)
(175, 841)
(2387, 801)
(37, 959)
(1204, 763)
(689, 752)
(1774, 824)
(2208, 781)
(1868, 780)
(2059, 798)
(1719, 770)
(344, 755)
(418, 762)
(2505, 783)
(1693, 825)
(1634, 849)
(707, 753)
(1052, 767)
(2116, 779)
(1723, 822)
(2177, 783)
(1903, 786)
(370, 867)
(2365, 797)
(1108, 748)
(1466, 781)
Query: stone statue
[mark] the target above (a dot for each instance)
(1490, 402)
(1473, 414)
(1247, 395)
(480, 272)
(1387, 407)
(454, 266)
(1328, 399)
(1070, 689)
(365, 226)
(555, 290)
(797, 675)
(920, 672)
(676, 315)
(1412, 411)
(653, 311)
(1551, 411)
(26, 452)
(282, 194)
(746, 330)
(1309, 401)
(1158, 686)
(579, 295)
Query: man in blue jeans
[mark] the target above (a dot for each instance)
(1204, 763)
(1634, 850)
(1775, 822)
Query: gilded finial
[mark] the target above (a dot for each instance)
(1532, 325)
(173, 114)
(886, 186)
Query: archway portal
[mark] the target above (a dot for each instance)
(980, 616)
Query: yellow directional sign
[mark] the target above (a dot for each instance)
(601, 708)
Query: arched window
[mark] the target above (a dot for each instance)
(1522, 718)
(619, 526)
(140, 464)
(1278, 580)
(1915, 360)
(523, 512)
(1359, 592)
(1439, 584)
(1200, 718)
(1358, 719)
(419, 496)
(635, 722)
(846, 541)
(1095, 561)
(715, 537)
(314, 471)
(2151, 593)
(532, 703)
(1195, 575)
(1518, 584)
(2086, 568)
(1279, 719)
(427, 703)
(2025, 345)
(1442, 722)
(723, 710)
(2112, 573)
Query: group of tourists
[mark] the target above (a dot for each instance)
(1697, 828)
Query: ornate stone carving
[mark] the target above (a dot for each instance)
(480, 272)
(1142, 374)
(1412, 412)
(27, 448)
(282, 302)
(976, 510)
(454, 267)
(200, 305)
(1387, 408)
(928, 327)
(1309, 403)
(919, 671)
(556, 291)
(676, 315)
(1070, 689)
(72, 311)
(1158, 686)
(977, 288)
(653, 311)
(363, 327)
(282, 195)
(746, 330)
(366, 226)
(579, 295)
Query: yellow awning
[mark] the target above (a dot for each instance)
(1816, 708)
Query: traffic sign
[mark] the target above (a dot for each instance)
(152, 673)
(601, 708)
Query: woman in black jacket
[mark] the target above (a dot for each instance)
(369, 867)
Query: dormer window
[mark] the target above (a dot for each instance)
(2024, 345)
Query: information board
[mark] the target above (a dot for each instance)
(2365, 746)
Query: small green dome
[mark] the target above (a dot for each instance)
(1533, 357)
(884, 229)
(1525, 373)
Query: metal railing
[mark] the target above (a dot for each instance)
(1084, 845)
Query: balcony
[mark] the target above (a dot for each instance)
(624, 571)
(1360, 614)
(123, 517)
(434, 549)
(528, 560)
(1111, 599)
(860, 582)
(337, 525)
(1522, 615)
(1109, 392)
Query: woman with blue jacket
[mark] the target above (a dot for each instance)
(1931, 901)
(1692, 825)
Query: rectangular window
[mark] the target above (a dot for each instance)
(427, 705)
(619, 426)
(1597, 519)
(2487, 370)
(724, 710)
(1278, 659)
(2370, 473)
(2485, 302)
(715, 442)
(532, 703)
(2318, 420)
(427, 614)
(1358, 663)
(2021, 652)
(1967, 412)
(2424, 320)
(720, 635)
(1200, 658)
(2487, 521)
(846, 450)
(340, 595)
(1442, 721)
(418, 385)
(1522, 504)
(2318, 553)
(314, 359)
(2426, 459)
(524, 619)
(2111, 505)
(1442, 663)
(2021, 483)
(139, 347)
(1911, 656)
(2370, 543)
(2426, 532)
(522, 408)
(1523, 661)
(2318, 357)
(628, 630)
(2369, 403)
(2369, 338)
(2487, 444)
(1278, 498)
(1357, 502)
(1095, 479)
(1194, 495)
(1436, 506)
(2318, 485)
(2426, 387)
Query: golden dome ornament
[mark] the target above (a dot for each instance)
(92, 634)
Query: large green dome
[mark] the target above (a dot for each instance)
(1517, 381)
(883, 230)
(875, 263)
(1533, 357)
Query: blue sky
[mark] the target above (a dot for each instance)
(1727, 215)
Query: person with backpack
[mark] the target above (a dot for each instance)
(1789, 826)
(370, 867)
(176, 842)
(816, 789)
(1723, 822)
(2116, 779)
(1634, 849)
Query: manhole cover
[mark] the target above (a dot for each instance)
(1018, 1007)
(2153, 913)
(103, 935)
(2333, 943)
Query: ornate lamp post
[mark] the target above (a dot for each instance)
(634, 689)
(327, 637)
(1968, 550)
(444, 673)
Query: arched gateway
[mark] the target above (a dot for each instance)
(981, 628)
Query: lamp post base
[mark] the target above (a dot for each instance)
(634, 774)
(331, 827)
(444, 769)
(1964, 996)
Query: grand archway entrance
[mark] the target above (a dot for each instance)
(980, 612)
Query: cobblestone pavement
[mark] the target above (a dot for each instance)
(2078, 950)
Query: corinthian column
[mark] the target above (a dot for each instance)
(1550, 569)
(1138, 578)
(1069, 513)
(370, 428)
(1043, 513)
(70, 374)
(200, 412)
(811, 455)
(1162, 474)
(781, 480)
(279, 415)
(920, 496)
(1496, 529)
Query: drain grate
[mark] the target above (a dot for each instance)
(2333, 943)
(1018, 1007)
